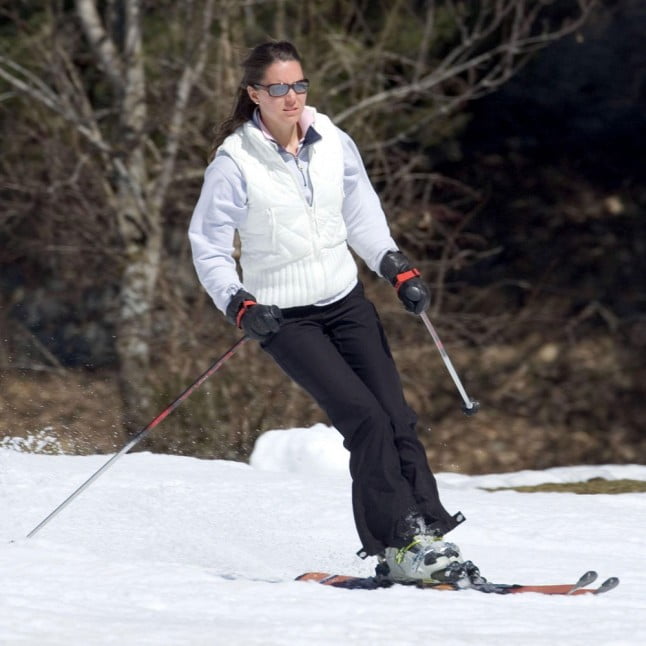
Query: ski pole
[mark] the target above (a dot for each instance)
(470, 406)
(143, 432)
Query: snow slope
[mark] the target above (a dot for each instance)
(165, 550)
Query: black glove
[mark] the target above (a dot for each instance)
(411, 289)
(257, 321)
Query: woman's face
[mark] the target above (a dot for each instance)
(279, 111)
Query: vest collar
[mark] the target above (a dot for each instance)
(306, 123)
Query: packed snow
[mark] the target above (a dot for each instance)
(166, 550)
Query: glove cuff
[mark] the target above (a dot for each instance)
(240, 302)
(397, 269)
(242, 311)
(400, 279)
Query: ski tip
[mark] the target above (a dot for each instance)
(588, 578)
(607, 585)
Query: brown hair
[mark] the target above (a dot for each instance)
(254, 66)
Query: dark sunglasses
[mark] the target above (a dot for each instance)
(281, 89)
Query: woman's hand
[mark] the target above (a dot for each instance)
(412, 291)
(256, 321)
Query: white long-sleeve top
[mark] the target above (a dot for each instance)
(222, 208)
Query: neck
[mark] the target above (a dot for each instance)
(287, 136)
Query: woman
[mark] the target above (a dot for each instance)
(294, 187)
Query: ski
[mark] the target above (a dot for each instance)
(350, 582)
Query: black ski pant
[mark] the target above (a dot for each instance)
(339, 354)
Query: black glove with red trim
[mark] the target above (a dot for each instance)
(411, 289)
(256, 321)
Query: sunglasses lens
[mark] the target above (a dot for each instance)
(300, 87)
(278, 89)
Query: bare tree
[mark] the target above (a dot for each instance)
(136, 172)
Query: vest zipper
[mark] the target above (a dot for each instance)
(300, 168)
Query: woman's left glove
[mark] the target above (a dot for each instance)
(256, 321)
(411, 289)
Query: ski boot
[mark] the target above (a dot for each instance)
(427, 559)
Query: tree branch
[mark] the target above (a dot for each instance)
(191, 73)
(101, 43)
(505, 57)
(31, 86)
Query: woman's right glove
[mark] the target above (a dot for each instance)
(411, 289)
(256, 321)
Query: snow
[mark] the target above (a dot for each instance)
(166, 550)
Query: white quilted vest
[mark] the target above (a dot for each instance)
(293, 254)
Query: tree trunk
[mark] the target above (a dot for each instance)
(134, 329)
(140, 230)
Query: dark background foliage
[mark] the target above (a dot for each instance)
(524, 208)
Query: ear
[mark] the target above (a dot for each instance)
(253, 94)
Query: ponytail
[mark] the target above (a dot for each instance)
(241, 113)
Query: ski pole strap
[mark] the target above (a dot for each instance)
(243, 310)
(400, 279)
